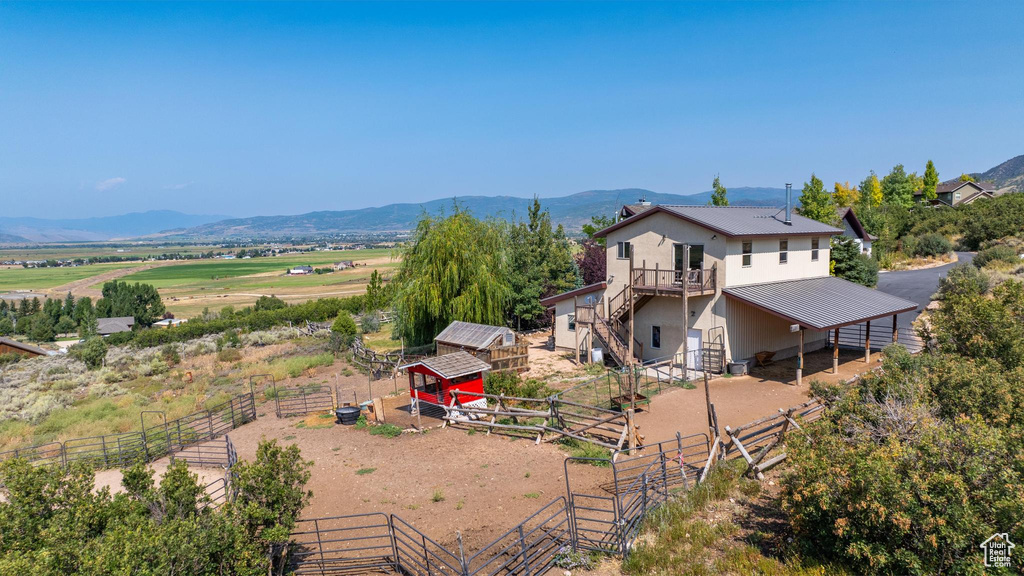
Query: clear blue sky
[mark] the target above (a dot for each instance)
(247, 109)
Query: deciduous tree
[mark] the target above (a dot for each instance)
(871, 191)
(931, 181)
(816, 203)
(898, 187)
(845, 195)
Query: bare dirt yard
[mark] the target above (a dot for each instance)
(441, 481)
(742, 399)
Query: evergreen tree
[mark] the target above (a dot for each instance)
(140, 301)
(541, 265)
(848, 262)
(898, 187)
(815, 203)
(24, 309)
(34, 306)
(6, 326)
(718, 193)
(69, 305)
(931, 181)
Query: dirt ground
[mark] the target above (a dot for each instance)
(442, 481)
(112, 478)
(741, 399)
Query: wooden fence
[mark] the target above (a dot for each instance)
(755, 440)
(540, 417)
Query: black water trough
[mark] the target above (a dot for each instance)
(347, 414)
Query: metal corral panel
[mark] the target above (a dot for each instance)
(473, 336)
(820, 303)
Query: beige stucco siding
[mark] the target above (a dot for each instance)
(764, 262)
(667, 312)
(565, 338)
(652, 239)
(752, 330)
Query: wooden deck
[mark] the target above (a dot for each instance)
(670, 282)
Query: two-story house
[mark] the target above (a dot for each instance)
(696, 285)
(956, 192)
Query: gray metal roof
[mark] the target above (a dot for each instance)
(452, 365)
(820, 303)
(751, 220)
(23, 346)
(736, 221)
(469, 335)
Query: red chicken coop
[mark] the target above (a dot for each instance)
(433, 379)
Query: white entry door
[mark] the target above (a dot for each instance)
(695, 349)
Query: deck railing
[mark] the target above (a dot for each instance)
(697, 281)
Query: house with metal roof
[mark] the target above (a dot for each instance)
(11, 346)
(703, 287)
(853, 229)
(956, 192)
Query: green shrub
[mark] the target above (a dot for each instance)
(962, 280)
(92, 352)
(997, 253)
(170, 355)
(296, 366)
(10, 358)
(849, 263)
(931, 245)
(904, 475)
(386, 430)
(509, 383)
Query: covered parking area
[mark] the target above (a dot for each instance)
(824, 304)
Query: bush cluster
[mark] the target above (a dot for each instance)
(509, 383)
(248, 319)
(911, 470)
(52, 522)
(997, 253)
(929, 245)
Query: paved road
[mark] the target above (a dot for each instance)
(917, 285)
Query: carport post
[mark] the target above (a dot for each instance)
(895, 329)
(867, 342)
(835, 351)
(800, 360)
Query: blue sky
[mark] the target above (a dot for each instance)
(264, 108)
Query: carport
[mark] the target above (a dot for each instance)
(823, 304)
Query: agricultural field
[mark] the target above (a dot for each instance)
(94, 250)
(188, 287)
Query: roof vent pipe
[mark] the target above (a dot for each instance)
(789, 204)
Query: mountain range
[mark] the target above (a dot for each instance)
(571, 211)
(28, 229)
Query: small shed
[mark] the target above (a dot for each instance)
(9, 346)
(433, 379)
(496, 345)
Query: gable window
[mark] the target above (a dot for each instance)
(656, 337)
(748, 251)
(783, 251)
(814, 249)
(624, 249)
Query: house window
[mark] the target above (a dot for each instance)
(748, 251)
(624, 249)
(572, 322)
(814, 249)
(656, 337)
(783, 251)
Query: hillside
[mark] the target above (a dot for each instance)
(1008, 176)
(97, 229)
(571, 211)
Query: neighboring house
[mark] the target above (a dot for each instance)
(169, 322)
(300, 270)
(108, 326)
(9, 346)
(495, 345)
(689, 284)
(344, 265)
(852, 228)
(956, 192)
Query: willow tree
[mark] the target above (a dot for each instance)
(455, 268)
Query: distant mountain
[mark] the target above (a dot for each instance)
(97, 229)
(1008, 176)
(11, 239)
(571, 211)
